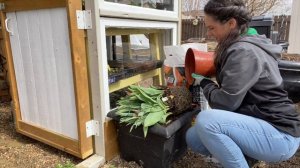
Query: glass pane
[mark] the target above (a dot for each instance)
(129, 55)
(134, 53)
(153, 4)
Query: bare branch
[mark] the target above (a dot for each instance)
(260, 7)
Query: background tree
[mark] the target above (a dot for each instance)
(191, 5)
(260, 7)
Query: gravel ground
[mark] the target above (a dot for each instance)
(18, 151)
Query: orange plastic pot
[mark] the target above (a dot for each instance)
(198, 62)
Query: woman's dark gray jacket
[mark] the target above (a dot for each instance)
(249, 83)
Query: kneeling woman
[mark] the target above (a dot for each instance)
(251, 115)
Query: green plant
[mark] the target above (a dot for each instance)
(143, 107)
(67, 164)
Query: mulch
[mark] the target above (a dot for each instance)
(291, 57)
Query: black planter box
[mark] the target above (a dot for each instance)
(162, 146)
(290, 72)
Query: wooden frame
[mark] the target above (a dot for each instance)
(83, 147)
(98, 65)
(137, 78)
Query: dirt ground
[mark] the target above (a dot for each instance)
(18, 151)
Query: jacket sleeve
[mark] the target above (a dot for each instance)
(239, 73)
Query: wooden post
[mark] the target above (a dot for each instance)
(80, 71)
(155, 53)
(126, 47)
(294, 40)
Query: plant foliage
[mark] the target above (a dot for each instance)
(143, 107)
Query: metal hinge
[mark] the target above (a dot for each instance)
(84, 19)
(92, 128)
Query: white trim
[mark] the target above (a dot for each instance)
(94, 75)
(129, 11)
(130, 23)
(103, 72)
(294, 40)
(124, 23)
(93, 161)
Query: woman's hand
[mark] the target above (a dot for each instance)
(198, 78)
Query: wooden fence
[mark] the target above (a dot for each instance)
(195, 30)
(281, 25)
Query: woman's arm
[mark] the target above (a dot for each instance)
(240, 72)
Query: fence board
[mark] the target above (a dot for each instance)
(193, 31)
(282, 26)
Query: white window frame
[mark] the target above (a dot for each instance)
(124, 23)
(129, 11)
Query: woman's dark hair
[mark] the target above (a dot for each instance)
(222, 11)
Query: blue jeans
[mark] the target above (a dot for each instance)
(228, 136)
